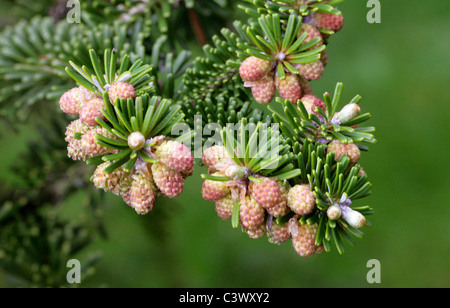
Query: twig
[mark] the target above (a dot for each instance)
(197, 27)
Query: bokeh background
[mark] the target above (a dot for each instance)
(401, 69)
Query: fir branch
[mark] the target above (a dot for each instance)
(322, 122)
(336, 185)
(287, 7)
(36, 242)
(35, 248)
(35, 54)
(166, 13)
(147, 117)
(217, 70)
(281, 44)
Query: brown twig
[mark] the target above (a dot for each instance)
(197, 27)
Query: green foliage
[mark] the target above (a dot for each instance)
(220, 111)
(168, 68)
(24, 9)
(146, 114)
(36, 52)
(216, 72)
(289, 7)
(36, 241)
(106, 72)
(260, 148)
(332, 182)
(297, 124)
(161, 16)
(213, 89)
(273, 43)
(151, 117)
(35, 249)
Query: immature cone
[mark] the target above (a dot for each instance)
(169, 182)
(187, 173)
(339, 149)
(71, 101)
(263, 91)
(74, 148)
(126, 197)
(254, 69)
(121, 89)
(136, 141)
(311, 102)
(334, 212)
(235, 172)
(89, 145)
(157, 141)
(328, 21)
(349, 112)
(87, 95)
(175, 155)
(251, 214)
(212, 155)
(312, 34)
(214, 190)
(304, 241)
(281, 208)
(278, 234)
(257, 233)
(267, 193)
(289, 88)
(301, 199)
(224, 207)
(91, 110)
(216, 158)
(354, 218)
(311, 71)
(114, 182)
(142, 194)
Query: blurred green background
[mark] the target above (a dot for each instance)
(401, 69)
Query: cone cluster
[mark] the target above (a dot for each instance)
(140, 187)
(324, 21)
(262, 76)
(303, 239)
(89, 105)
(259, 203)
(261, 200)
(339, 149)
(173, 161)
(350, 111)
(81, 133)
